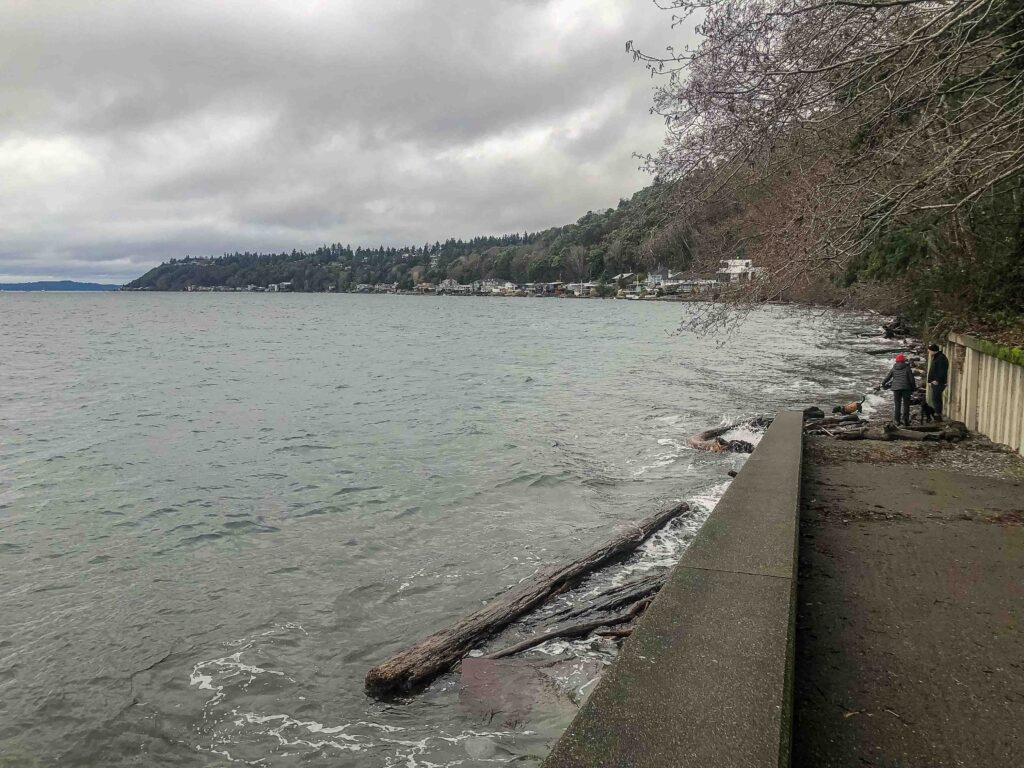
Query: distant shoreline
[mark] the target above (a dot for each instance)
(632, 297)
(57, 286)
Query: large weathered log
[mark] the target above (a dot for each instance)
(909, 434)
(833, 421)
(852, 434)
(571, 630)
(887, 433)
(711, 439)
(431, 656)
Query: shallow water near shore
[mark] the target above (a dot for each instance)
(218, 511)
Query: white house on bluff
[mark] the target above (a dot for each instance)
(738, 271)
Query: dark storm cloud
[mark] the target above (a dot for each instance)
(133, 132)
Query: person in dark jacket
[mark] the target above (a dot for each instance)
(901, 381)
(938, 377)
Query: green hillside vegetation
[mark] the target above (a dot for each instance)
(633, 237)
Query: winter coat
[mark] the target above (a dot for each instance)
(938, 371)
(901, 377)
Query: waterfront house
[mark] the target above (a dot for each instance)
(450, 286)
(553, 289)
(487, 287)
(577, 289)
(657, 279)
(582, 290)
(737, 271)
(625, 278)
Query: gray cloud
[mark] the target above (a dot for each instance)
(133, 132)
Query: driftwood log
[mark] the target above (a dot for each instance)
(888, 350)
(618, 597)
(910, 434)
(711, 439)
(612, 596)
(420, 663)
(571, 630)
(834, 421)
(887, 433)
(617, 632)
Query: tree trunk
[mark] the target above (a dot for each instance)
(420, 663)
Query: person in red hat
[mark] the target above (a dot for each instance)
(901, 381)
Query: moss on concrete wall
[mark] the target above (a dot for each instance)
(1013, 355)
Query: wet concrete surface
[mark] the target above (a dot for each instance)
(910, 599)
(705, 679)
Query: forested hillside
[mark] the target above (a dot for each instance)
(636, 235)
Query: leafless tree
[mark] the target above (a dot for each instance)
(828, 123)
(577, 262)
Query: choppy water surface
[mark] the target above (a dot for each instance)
(216, 512)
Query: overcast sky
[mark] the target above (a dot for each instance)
(134, 132)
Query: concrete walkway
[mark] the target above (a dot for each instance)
(910, 623)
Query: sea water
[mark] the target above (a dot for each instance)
(218, 511)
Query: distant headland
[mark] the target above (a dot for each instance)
(58, 285)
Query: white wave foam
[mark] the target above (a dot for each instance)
(215, 674)
(800, 385)
(292, 733)
(872, 403)
(233, 729)
(662, 550)
(665, 458)
(665, 547)
(745, 433)
(669, 421)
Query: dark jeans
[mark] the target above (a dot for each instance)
(937, 390)
(902, 399)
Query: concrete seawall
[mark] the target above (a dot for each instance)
(706, 679)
